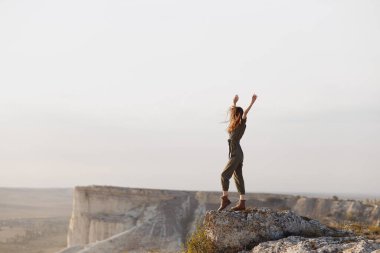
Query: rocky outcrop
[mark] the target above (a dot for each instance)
(253, 231)
(138, 220)
(234, 231)
(297, 244)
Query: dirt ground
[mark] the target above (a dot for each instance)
(34, 220)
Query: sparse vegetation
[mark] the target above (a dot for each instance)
(361, 229)
(283, 208)
(372, 202)
(199, 242)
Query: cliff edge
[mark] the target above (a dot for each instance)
(267, 230)
(118, 219)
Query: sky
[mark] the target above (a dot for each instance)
(135, 93)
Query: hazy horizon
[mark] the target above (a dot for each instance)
(134, 94)
(340, 195)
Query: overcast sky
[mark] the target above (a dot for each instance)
(134, 93)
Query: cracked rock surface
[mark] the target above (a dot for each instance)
(297, 244)
(235, 231)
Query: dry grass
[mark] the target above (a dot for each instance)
(371, 232)
(199, 242)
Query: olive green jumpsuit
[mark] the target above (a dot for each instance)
(235, 163)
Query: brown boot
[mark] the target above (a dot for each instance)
(224, 202)
(240, 206)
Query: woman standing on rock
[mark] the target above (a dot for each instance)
(236, 128)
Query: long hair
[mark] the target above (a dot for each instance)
(236, 114)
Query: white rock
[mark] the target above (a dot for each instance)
(234, 231)
(296, 244)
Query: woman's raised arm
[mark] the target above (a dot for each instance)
(234, 101)
(254, 97)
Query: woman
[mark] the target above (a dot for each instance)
(236, 129)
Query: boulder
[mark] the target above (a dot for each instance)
(235, 231)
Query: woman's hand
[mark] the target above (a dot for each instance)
(236, 98)
(254, 97)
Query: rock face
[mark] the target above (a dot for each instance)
(234, 231)
(144, 219)
(331, 211)
(297, 244)
(138, 220)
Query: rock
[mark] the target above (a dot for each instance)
(297, 244)
(330, 211)
(149, 219)
(115, 219)
(234, 231)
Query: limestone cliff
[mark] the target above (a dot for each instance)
(149, 219)
(139, 220)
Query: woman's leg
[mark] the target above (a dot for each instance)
(225, 179)
(239, 180)
(227, 174)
